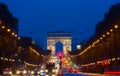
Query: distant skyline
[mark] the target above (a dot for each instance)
(37, 17)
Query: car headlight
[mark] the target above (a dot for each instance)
(46, 75)
(24, 72)
(41, 70)
(10, 72)
(32, 72)
(53, 70)
(46, 70)
(53, 75)
(38, 72)
(18, 72)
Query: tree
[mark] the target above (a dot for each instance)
(9, 19)
(111, 18)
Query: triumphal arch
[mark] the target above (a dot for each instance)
(59, 36)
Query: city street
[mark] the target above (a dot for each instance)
(60, 38)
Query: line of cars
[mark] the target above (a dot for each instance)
(70, 70)
(25, 72)
(42, 72)
(20, 72)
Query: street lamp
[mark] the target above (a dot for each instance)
(8, 30)
(101, 38)
(13, 33)
(103, 35)
(3, 27)
(18, 38)
(111, 30)
(108, 33)
(116, 26)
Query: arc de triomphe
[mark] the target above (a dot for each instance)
(59, 36)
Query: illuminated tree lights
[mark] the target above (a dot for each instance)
(7, 59)
(8, 30)
(103, 62)
(97, 41)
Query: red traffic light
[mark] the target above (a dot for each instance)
(60, 55)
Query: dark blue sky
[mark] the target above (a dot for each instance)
(37, 17)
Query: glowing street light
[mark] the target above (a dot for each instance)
(3, 27)
(93, 45)
(8, 30)
(118, 58)
(103, 35)
(101, 38)
(116, 26)
(2, 58)
(111, 30)
(108, 33)
(13, 33)
(18, 38)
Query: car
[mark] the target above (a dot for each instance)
(75, 71)
(7, 72)
(42, 72)
(70, 70)
(21, 72)
(50, 71)
(50, 68)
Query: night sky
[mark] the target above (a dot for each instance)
(37, 17)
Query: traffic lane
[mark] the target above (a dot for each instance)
(74, 74)
(82, 74)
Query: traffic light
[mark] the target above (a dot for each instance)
(60, 55)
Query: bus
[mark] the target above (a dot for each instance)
(50, 68)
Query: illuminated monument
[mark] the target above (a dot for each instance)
(59, 36)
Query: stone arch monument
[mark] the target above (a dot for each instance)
(59, 36)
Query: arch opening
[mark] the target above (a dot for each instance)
(58, 47)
